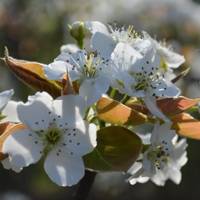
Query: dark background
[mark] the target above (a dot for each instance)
(35, 30)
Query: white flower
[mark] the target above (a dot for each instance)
(170, 58)
(54, 129)
(123, 57)
(144, 79)
(88, 70)
(105, 39)
(163, 158)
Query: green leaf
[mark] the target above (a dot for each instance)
(117, 149)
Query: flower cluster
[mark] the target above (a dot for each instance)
(118, 91)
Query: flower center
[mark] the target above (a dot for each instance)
(52, 136)
(146, 80)
(159, 156)
(93, 64)
(124, 35)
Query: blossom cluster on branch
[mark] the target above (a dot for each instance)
(111, 105)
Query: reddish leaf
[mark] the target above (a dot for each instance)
(175, 106)
(169, 106)
(186, 126)
(32, 74)
(115, 112)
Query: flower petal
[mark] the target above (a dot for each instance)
(23, 147)
(124, 56)
(7, 165)
(37, 112)
(172, 59)
(81, 140)
(93, 89)
(56, 70)
(98, 44)
(10, 111)
(69, 109)
(63, 169)
(165, 89)
(95, 26)
(69, 48)
(5, 97)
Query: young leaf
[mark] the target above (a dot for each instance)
(186, 126)
(5, 130)
(175, 106)
(117, 149)
(32, 74)
(169, 106)
(115, 112)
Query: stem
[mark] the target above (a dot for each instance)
(85, 186)
(125, 99)
(113, 93)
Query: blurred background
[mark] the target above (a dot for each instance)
(35, 30)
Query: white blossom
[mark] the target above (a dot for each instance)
(105, 39)
(54, 129)
(145, 79)
(89, 70)
(163, 158)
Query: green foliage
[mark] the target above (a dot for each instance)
(117, 149)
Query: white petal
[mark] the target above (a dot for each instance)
(180, 154)
(23, 148)
(174, 174)
(5, 97)
(10, 111)
(37, 112)
(125, 56)
(140, 179)
(80, 140)
(160, 178)
(148, 63)
(162, 132)
(151, 105)
(40, 96)
(63, 169)
(7, 165)
(70, 109)
(166, 89)
(103, 44)
(93, 89)
(69, 48)
(142, 45)
(95, 26)
(122, 81)
(56, 70)
(172, 59)
(134, 168)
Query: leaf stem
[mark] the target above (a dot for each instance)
(113, 93)
(125, 99)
